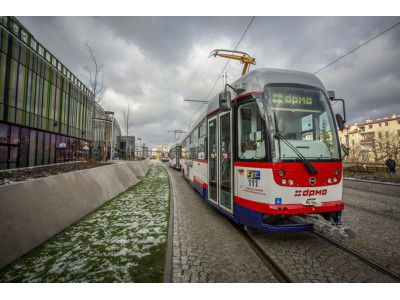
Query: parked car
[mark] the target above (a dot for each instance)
(165, 159)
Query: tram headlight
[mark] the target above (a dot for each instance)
(291, 181)
(284, 181)
(330, 180)
(337, 172)
(281, 173)
(335, 179)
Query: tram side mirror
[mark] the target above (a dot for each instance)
(340, 122)
(331, 95)
(225, 101)
(345, 149)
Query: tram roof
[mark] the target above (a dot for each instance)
(256, 80)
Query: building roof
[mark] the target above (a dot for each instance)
(368, 122)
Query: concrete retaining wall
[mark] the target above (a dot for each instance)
(33, 211)
(373, 186)
(139, 168)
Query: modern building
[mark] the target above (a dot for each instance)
(144, 151)
(127, 147)
(46, 112)
(106, 135)
(374, 140)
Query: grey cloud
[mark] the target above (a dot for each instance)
(156, 62)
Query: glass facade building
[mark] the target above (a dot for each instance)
(127, 147)
(45, 111)
(106, 135)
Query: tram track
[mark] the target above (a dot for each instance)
(277, 269)
(374, 211)
(359, 256)
(279, 274)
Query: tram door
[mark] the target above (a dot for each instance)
(219, 161)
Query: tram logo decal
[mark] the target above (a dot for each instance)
(310, 193)
(253, 177)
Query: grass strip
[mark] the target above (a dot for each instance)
(125, 240)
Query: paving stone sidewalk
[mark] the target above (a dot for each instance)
(206, 247)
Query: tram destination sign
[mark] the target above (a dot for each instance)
(295, 99)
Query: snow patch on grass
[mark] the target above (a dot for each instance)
(108, 245)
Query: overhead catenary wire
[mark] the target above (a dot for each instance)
(333, 62)
(370, 40)
(216, 81)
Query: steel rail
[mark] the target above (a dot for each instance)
(360, 257)
(373, 211)
(279, 274)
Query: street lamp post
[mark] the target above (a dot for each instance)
(112, 134)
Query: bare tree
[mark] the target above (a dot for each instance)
(386, 144)
(128, 123)
(128, 118)
(359, 154)
(96, 82)
(96, 76)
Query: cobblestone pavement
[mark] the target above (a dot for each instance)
(378, 236)
(206, 247)
(306, 258)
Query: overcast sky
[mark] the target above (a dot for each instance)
(154, 63)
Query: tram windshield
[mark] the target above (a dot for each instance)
(301, 124)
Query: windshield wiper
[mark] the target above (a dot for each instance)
(310, 168)
(278, 135)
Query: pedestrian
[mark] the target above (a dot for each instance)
(391, 165)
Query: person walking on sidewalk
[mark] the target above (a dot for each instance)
(391, 164)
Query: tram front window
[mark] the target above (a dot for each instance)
(302, 117)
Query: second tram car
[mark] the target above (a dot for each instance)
(175, 156)
(266, 152)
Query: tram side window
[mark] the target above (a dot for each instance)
(193, 144)
(184, 149)
(251, 133)
(202, 141)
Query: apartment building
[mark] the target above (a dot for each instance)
(374, 140)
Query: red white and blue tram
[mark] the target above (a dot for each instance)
(266, 152)
(174, 155)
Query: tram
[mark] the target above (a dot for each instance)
(265, 153)
(174, 155)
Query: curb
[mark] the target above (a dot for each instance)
(392, 189)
